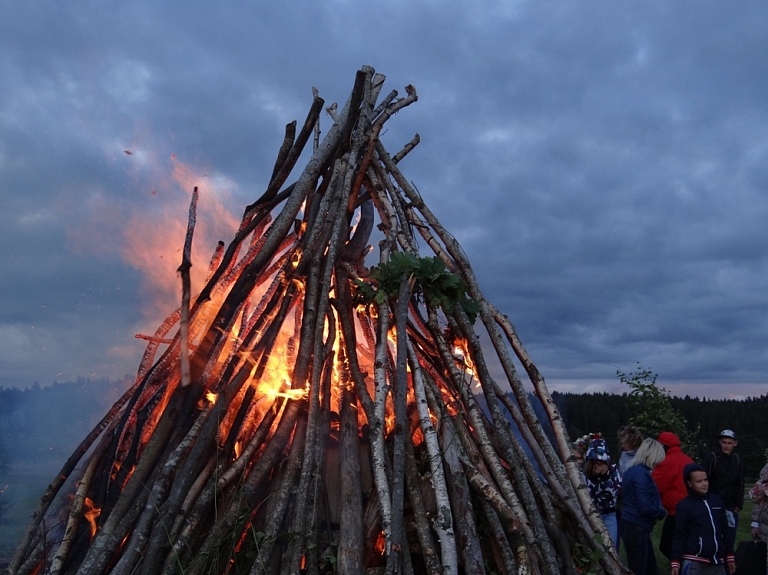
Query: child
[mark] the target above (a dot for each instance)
(604, 482)
(698, 544)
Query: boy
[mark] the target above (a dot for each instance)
(726, 479)
(699, 545)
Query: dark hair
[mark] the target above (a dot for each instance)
(631, 435)
(690, 468)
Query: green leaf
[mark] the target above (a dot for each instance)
(438, 286)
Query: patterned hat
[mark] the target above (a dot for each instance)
(598, 450)
(727, 433)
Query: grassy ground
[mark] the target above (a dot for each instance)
(26, 485)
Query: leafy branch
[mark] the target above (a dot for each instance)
(432, 281)
(652, 409)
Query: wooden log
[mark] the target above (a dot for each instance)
(350, 554)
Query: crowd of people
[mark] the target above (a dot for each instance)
(655, 480)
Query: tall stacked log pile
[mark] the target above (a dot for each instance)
(304, 413)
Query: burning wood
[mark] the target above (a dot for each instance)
(309, 414)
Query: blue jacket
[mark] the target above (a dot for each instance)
(641, 504)
(700, 523)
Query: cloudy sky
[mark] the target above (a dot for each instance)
(604, 164)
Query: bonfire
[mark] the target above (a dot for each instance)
(319, 406)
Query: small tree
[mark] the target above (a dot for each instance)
(652, 410)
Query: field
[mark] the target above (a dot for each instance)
(26, 484)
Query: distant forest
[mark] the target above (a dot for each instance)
(44, 424)
(605, 413)
(40, 427)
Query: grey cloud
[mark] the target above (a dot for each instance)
(603, 165)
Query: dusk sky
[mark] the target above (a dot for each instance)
(604, 165)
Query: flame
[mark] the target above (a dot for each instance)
(210, 398)
(389, 416)
(91, 513)
(380, 544)
(464, 360)
(392, 337)
(287, 393)
(296, 258)
(151, 238)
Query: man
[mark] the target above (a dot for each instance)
(668, 476)
(726, 479)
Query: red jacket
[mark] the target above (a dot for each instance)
(668, 475)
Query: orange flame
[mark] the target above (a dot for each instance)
(91, 513)
(380, 544)
(151, 238)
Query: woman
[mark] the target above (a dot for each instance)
(641, 508)
(630, 439)
(604, 483)
(759, 496)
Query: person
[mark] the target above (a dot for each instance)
(668, 476)
(699, 546)
(630, 439)
(759, 496)
(726, 479)
(604, 482)
(641, 508)
(580, 446)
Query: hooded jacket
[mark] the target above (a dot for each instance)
(668, 474)
(700, 523)
(604, 489)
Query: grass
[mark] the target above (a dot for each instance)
(25, 486)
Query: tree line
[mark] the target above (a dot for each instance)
(48, 422)
(703, 419)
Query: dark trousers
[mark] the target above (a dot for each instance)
(729, 536)
(637, 542)
(667, 534)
